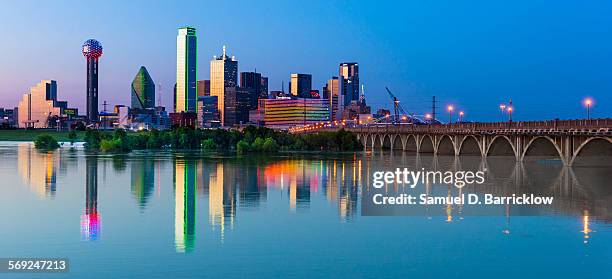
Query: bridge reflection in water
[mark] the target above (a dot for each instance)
(231, 185)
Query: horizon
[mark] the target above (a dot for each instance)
(473, 58)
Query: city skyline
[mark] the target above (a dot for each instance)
(474, 66)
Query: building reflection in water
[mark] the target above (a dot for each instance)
(222, 196)
(90, 220)
(37, 169)
(184, 176)
(142, 180)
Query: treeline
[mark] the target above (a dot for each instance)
(249, 139)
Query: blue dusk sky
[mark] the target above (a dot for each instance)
(545, 55)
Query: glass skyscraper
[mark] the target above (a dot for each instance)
(223, 73)
(349, 75)
(143, 90)
(186, 70)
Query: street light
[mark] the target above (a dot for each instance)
(460, 116)
(502, 107)
(588, 102)
(450, 114)
(510, 109)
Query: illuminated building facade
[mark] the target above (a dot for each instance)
(349, 77)
(186, 70)
(203, 88)
(92, 50)
(208, 113)
(223, 74)
(143, 90)
(301, 85)
(283, 113)
(331, 92)
(39, 105)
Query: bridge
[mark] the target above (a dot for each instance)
(562, 139)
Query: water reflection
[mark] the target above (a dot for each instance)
(38, 169)
(184, 204)
(304, 183)
(142, 180)
(90, 220)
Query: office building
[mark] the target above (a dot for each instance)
(39, 105)
(186, 70)
(237, 103)
(251, 82)
(92, 50)
(203, 88)
(334, 97)
(349, 78)
(208, 112)
(264, 88)
(301, 85)
(284, 112)
(223, 74)
(143, 90)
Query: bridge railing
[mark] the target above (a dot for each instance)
(603, 125)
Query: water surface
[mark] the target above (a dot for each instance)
(191, 214)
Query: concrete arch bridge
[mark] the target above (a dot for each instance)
(567, 140)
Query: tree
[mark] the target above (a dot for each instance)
(72, 136)
(46, 142)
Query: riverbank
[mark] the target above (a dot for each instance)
(31, 135)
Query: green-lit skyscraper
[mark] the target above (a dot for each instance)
(186, 70)
(143, 90)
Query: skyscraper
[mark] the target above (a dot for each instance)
(223, 73)
(143, 90)
(251, 82)
(349, 77)
(186, 70)
(92, 50)
(264, 88)
(301, 85)
(332, 93)
(203, 88)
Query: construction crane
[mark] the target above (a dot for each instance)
(397, 108)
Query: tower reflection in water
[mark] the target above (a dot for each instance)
(90, 220)
(142, 180)
(184, 177)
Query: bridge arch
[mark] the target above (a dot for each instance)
(446, 146)
(397, 142)
(594, 147)
(426, 145)
(501, 146)
(470, 146)
(542, 146)
(410, 144)
(386, 142)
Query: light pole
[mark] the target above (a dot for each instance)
(460, 116)
(450, 114)
(502, 107)
(510, 109)
(588, 102)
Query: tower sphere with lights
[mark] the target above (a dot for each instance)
(92, 50)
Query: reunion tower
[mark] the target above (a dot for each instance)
(92, 50)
